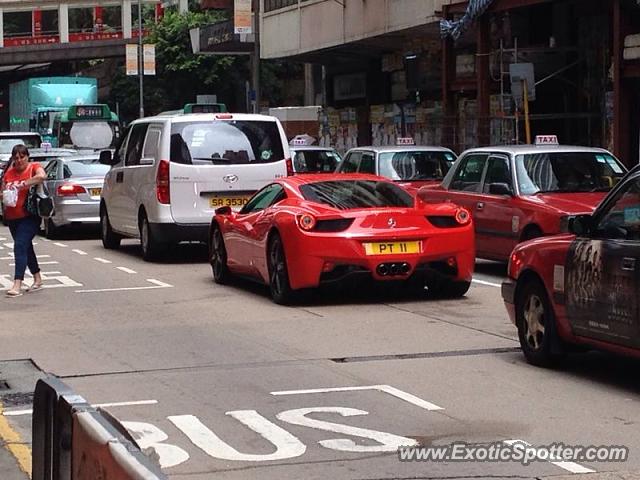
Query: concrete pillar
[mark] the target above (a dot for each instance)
(63, 22)
(126, 18)
(483, 42)
(309, 91)
(1, 28)
(183, 6)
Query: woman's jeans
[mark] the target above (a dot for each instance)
(23, 230)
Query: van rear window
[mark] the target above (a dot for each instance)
(226, 142)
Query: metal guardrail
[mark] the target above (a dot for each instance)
(74, 441)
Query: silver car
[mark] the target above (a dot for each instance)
(75, 184)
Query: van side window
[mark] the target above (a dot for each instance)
(134, 146)
(150, 151)
(122, 146)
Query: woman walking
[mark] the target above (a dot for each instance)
(23, 225)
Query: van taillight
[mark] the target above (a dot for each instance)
(289, 163)
(162, 183)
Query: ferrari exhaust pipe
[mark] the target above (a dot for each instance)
(395, 269)
(404, 268)
(383, 270)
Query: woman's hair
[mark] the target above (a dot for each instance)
(19, 149)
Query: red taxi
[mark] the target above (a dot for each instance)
(307, 230)
(516, 193)
(582, 287)
(408, 165)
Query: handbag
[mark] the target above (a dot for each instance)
(39, 203)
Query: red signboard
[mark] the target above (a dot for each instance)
(23, 41)
(36, 20)
(89, 36)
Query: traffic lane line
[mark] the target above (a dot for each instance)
(79, 252)
(126, 270)
(485, 283)
(15, 444)
(157, 284)
(568, 466)
(29, 411)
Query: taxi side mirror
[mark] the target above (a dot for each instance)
(106, 158)
(581, 225)
(500, 189)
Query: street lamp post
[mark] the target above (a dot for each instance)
(140, 59)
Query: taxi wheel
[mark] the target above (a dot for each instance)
(151, 247)
(281, 292)
(50, 230)
(536, 325)
(218, 257)
(110, 240)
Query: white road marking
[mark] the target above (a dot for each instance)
(286, 444)
(29, 411)
(158, 284)
(101, 260)
(568, 466)
(483, 282)
(9, 244)
(79, 252)
(60, 244)
(407, 397)
(126, 270)
(148, 435)
(52, 262)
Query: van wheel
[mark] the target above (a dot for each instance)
(151, 247)
(218, 257)
(50, 230)
(110, 240)
(281, 291)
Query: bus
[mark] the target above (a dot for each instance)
(92, 127)
(198, 108)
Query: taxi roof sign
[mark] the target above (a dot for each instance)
(547, 140)
(405, 141)
(302, 140)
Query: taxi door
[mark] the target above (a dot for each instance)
(493, 212)
(464, 189)
(602, 279)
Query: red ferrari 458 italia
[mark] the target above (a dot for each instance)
(307, 230)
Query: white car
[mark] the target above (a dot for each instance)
(171, 172)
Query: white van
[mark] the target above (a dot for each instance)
(171, 172)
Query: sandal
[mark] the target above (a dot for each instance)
(13, 293)
(34, 288)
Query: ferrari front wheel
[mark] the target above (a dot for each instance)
(218, 257)
(281, 291)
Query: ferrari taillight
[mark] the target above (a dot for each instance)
(463, 216)
(306, 222)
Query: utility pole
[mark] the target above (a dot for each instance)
(255, 60)
(140, 59)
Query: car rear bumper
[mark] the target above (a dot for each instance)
(179, 232)
(74, 211)
(508, 291)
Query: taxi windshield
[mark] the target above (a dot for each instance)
(567, 172)
(351, 194)
(415, 165)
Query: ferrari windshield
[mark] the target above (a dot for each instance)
(567, 172)
(415, 165)
(351, 194)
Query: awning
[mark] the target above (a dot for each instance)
(457, 28)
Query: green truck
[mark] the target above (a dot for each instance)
(34, 102)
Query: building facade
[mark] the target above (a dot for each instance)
(382, 69)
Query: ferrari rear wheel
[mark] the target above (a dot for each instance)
(444, 288)
(281, 291)
(218, 257)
